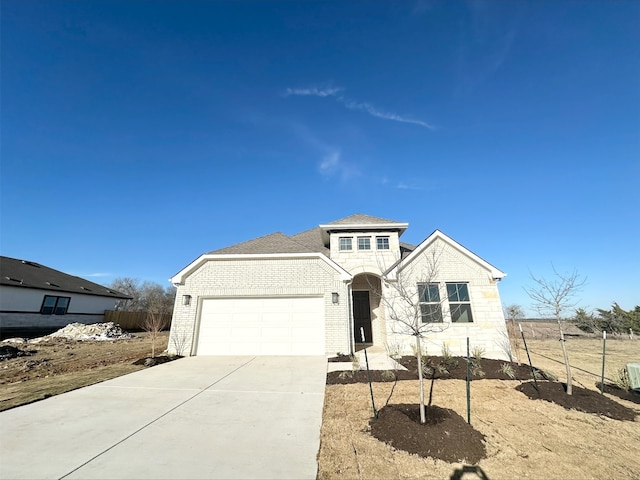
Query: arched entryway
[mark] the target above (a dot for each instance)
(366, 310)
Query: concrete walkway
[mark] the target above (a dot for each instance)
(195, 418)
(378, 360)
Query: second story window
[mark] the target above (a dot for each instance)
(364, 243)
(345, 244)
(382, 243)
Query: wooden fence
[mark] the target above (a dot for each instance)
(133, 320)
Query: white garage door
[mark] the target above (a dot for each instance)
(262, 326)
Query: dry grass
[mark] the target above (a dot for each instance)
(63, 365)
(525, 438)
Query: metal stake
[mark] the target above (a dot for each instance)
(366, 359)
(468, 387)
(533, 373)
(604, 349)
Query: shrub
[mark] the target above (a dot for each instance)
(508, 371)
(388, 375)
(478, 353)
(476, 370)
(355, 363)
(621, 379)
(447, 358)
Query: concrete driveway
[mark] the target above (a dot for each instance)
(198, 417)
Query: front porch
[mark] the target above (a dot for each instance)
(367, 312)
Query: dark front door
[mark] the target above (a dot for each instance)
(362, 317)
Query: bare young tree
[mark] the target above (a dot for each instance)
(513, 314)
(157, 317)
(552, 298)
(413, 302)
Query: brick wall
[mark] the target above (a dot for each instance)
(488, 329)
(261, 277)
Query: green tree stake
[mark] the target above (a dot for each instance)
(533, 373)
(468, 387)
(604, 349)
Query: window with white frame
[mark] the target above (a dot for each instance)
(382, 243)
(54, 305)
(345, 243)
(364, 243)
(459, 302)
(429, 299)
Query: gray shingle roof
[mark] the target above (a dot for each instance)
(312, 238)
(273, 243)
(361, 219)
(308, 241)
(26, 274)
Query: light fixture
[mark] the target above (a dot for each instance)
(186, 300)
(335, 297)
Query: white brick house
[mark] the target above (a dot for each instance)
(315, 292)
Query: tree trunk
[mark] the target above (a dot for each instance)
(421, 380)
(566, 361)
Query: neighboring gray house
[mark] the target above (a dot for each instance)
(33, 296)
(310, 293)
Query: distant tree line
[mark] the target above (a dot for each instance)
(150, 297)
(614, 320)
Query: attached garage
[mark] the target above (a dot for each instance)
(261, 326)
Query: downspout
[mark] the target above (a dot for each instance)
(350, 319)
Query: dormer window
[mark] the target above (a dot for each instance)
(346, 244)
(382, 243)
(364, 243)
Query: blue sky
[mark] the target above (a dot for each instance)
(138, 135)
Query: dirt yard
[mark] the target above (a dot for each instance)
(524, 438)
(58, 365)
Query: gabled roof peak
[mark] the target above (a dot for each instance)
(362, 219)
(360, 222)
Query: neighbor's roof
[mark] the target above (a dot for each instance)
(26, 274)
(274, 243)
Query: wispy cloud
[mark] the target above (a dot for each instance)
(98, 274)
(314, 92)
(332, 165)
(350, 104)
(374, 112)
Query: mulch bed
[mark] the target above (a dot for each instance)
(340, 358)
(153, 361)
(9, 351)
(616, 391)
(446, 435)
(582, 399)
(456, 370)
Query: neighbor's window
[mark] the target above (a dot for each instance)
(459, 302)
(54, 305)
(382, 243)
(364, 243)
(429, 298)
(345, 243)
